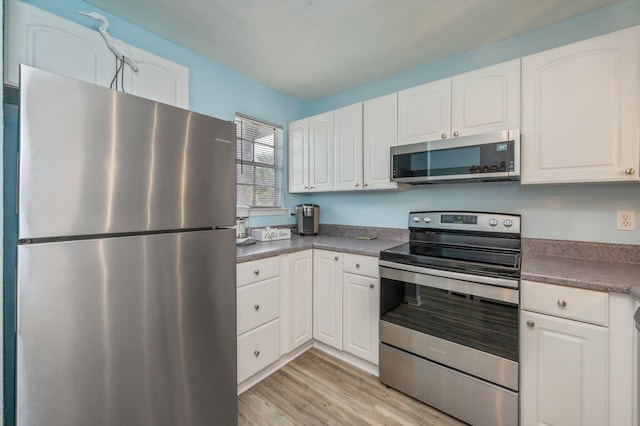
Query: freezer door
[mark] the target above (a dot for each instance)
(96, 161)
(128, 331)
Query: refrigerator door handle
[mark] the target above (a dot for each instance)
(225, 227)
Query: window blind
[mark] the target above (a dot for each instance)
(259, 162)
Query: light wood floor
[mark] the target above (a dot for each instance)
(318, 389)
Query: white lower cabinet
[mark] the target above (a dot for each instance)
(360, 316)
(257, 349)
(564, 359)
(346, 303)
(327, 297)
(300, 296)
(258, 315)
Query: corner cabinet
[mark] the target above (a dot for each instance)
(327, 297)
(565, 356)
(480, 101)
(44, 40)
(311, 154)
(299, 298)
(580, 111)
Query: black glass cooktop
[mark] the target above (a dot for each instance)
(467, 259)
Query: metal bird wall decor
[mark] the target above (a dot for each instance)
(118, 47)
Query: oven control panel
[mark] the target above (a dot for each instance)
(473, 221)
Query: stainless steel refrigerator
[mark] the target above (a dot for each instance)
(126, 259)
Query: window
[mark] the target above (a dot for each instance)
(259, 163)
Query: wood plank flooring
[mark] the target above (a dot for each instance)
(318, 389)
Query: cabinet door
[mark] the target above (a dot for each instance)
(158, 79)
(580, 111)
(360, 316)
(299, 156)
(424, 112)
(321, 152)
(564, 371)
(486, 100)
(327, 297)
(348, 148)
(300, 298)
(380, 134)
(47, 41)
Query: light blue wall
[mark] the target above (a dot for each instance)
(574, 212)
(585, 212)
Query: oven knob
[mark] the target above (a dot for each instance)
(493, 222)
(427, 219)
(416, 219)
(507, 223)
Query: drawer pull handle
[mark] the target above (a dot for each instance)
(256, 307)
(256, 353)
(357, 265)
(336, 258)
(371, 285)
(562, 303)
(630, 171)
(257, 271)
(530, 323)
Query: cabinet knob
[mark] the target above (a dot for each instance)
(336, 258)
(357, 184)
(530, 323)
(562, 303)
(455, 134)
(306, 187)
(366, 184)
(444, 136)
(630, 171)
(257, 271)
(256, 353)
(357, 265)
(312, 187)
(256, 307)
(371, 285)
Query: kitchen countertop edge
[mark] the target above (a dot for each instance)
(261, 250)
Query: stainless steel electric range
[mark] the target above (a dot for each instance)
(449, 314)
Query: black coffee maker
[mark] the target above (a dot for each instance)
(307, 219)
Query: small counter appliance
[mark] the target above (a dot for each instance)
(307, 219)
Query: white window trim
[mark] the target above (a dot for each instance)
(267, 211)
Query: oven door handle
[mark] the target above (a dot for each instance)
(452, 281)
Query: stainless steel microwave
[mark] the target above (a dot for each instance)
(484, 157)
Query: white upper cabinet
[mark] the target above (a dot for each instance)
(480, 101)
(44, 40)
(299, 156)
(424, 112)
(321, 152)
(348, 147)
(380, 134)
(486, 100)
(580, 111)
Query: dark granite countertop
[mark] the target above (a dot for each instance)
(345, 244)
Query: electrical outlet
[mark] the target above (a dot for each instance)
(626, 220)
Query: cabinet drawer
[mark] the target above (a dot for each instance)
(258, 303)
(257, 349)
(566, 302)
(361, 265)
(257, 270)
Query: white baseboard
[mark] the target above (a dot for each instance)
(348, 358)
(284, 360)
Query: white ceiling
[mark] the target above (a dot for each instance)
(309, 49)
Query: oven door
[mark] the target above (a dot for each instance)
(494, 156)
(467, 326)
